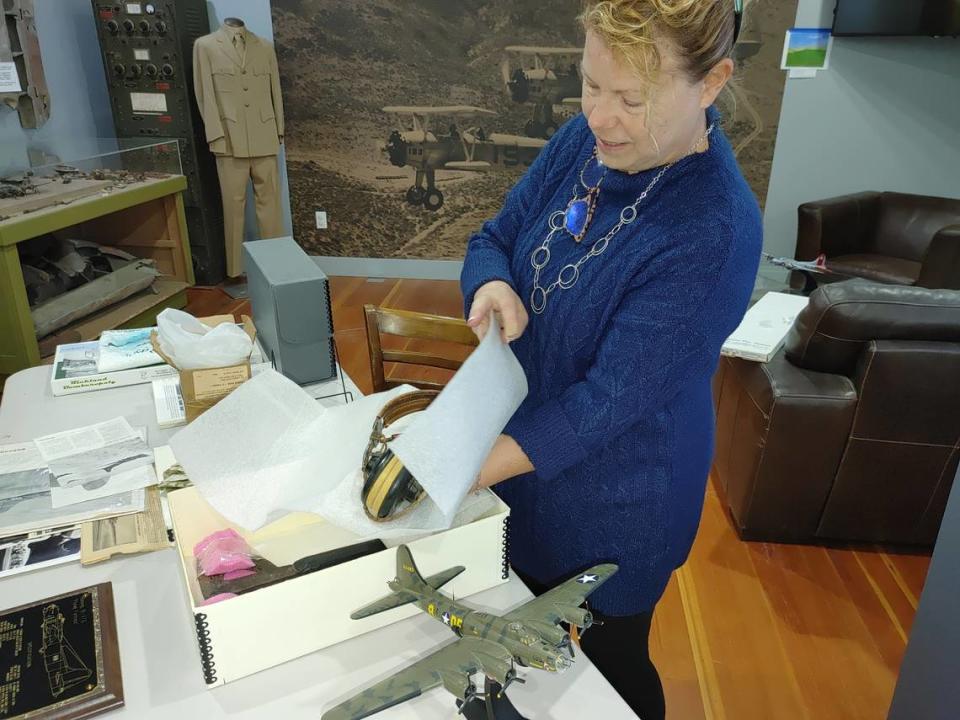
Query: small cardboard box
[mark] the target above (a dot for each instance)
(277, 623)
(202, 389)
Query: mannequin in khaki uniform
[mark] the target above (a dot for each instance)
(238, 91)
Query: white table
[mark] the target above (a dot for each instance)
(158, 648)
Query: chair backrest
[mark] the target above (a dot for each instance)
(831, 331)
(437, 342)
(907, 223)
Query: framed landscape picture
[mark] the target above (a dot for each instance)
(807, 48)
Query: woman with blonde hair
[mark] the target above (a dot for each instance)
(617, 267)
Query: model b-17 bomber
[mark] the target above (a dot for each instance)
(472, 149)
(529, 636)
(547, 78)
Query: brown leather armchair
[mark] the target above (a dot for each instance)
(852, 431)
(885, 237)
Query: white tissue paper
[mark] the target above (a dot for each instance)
(192, 345)
(447, 444)
(268, 448)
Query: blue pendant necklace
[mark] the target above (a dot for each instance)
(579, 212)
(575, 219)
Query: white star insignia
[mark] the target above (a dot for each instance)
(586, 579)
(446, 618)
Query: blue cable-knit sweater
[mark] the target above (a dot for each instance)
(619, 421)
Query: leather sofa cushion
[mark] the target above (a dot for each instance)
(880, 268)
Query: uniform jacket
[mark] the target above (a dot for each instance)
(238, 95)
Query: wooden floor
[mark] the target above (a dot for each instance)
(745, 630)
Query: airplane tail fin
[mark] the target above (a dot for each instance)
(408, 576)
(408, 586)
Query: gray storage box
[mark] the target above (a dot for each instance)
(290, 297)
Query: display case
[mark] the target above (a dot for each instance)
(87, 244)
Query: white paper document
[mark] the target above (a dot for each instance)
(764, 327)
(9, 80)
(96, 461)
(25, 502)
(34, 551)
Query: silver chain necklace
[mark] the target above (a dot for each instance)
(570, 273)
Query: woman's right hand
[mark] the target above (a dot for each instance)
(498, 296)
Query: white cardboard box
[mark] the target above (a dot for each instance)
(75, 369)
(764, 327)
(277, 623)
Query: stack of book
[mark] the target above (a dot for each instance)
(764, 328)
(118, 358)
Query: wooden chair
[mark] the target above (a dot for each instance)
(450, 332)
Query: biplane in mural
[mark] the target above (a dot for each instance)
(471, 149)
(547, 78)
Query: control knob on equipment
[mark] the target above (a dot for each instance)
(152, 70)
(167, 70)
(136, 71)
(144, 27)
(161, 27)
(119, 70)
(128, 26)
(113, 27)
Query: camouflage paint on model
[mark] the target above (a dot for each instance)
(529, 636)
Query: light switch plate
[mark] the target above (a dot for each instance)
(321, 217)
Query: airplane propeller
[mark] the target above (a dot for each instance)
(519, 86)
(567, 644)
(469, 696)
(510, 678)
(396, 149)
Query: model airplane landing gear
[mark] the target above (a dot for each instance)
(415, 195)
(492, 705)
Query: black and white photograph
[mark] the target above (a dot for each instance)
(96, 461)
(36, 511)
(423, 115)
(19, 553)
(99, 472)
(20, 483)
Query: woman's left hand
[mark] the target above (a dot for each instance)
(506, 460)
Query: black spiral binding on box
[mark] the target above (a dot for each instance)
(333, 357)
(206, 649)
(505, 560)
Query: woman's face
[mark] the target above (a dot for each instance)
(630, 136)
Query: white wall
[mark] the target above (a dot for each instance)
(79, 103)
(885, 116)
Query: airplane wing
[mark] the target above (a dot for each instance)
(518, 140)
(571, 593)
(537, 50)
(450, 110)
(471, 165)
(451, 665)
